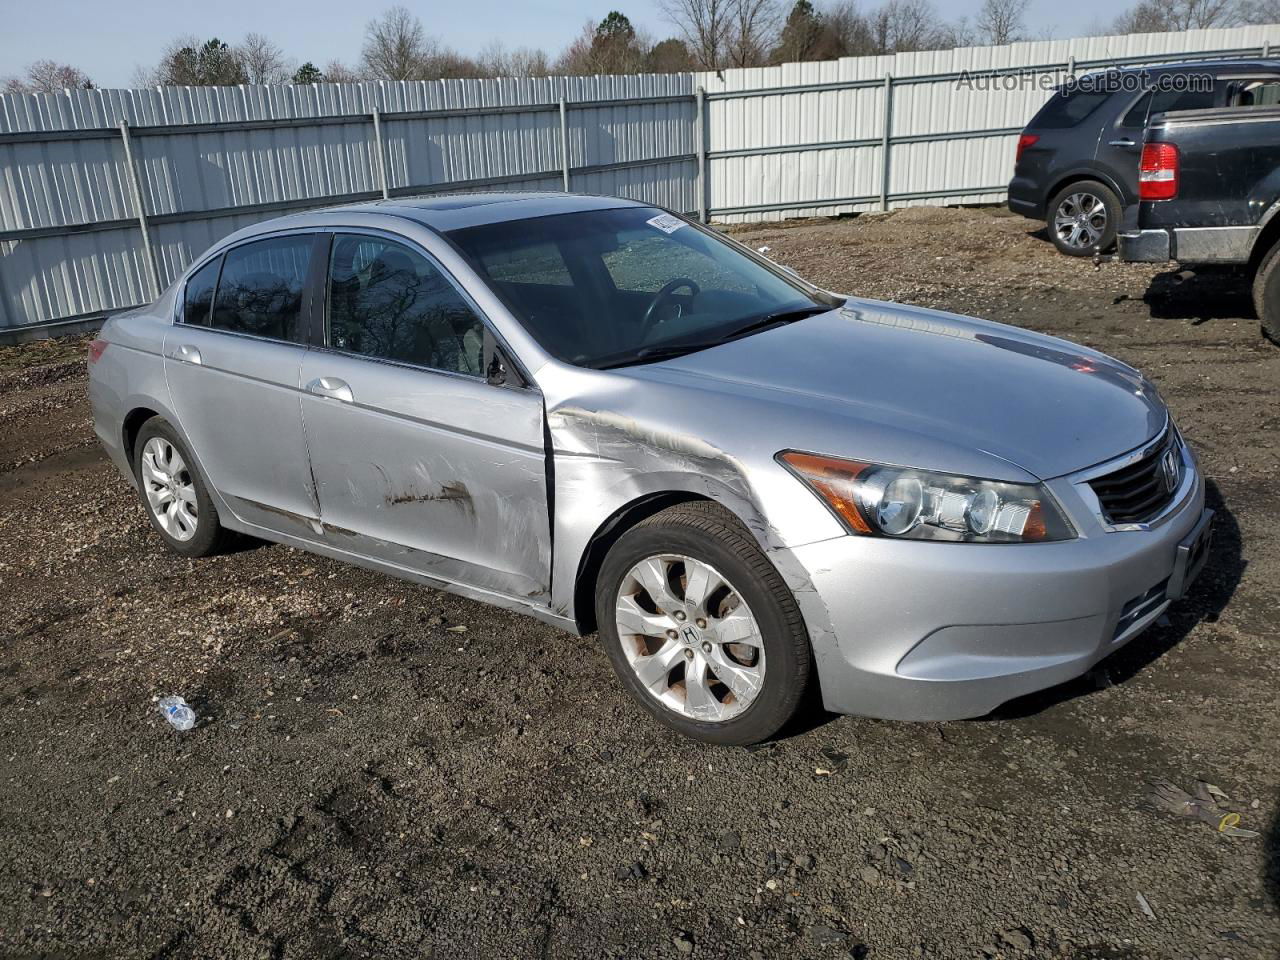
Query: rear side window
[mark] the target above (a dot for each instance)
(260, 290)
(1069, 107)
(199, 295)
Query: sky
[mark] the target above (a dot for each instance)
(109, 38)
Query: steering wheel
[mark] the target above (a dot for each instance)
(662, 296)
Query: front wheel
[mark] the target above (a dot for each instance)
(701, 629)
(1083, 218)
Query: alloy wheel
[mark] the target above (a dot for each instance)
(170, 489)
(690, 638)
(1080, 220)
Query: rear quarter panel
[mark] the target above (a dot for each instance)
(130, 375)
(1229, 168)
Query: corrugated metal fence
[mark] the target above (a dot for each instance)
(106, 195)
(817, 139)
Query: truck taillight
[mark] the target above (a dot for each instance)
(1025, 140)
(96, 350)
(1158, 173)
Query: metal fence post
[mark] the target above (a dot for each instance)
(381, 153)
(140, 209)
(1266, 49)
(1071, 66)
(884, 141)
(700, 145)
(564, 143)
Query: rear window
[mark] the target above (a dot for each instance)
(1069, 107)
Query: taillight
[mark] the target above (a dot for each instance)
(1024, 141)
(1158, 173)
(96, 349)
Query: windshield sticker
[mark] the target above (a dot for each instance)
(666, 223)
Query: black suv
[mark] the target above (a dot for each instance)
(1077, 161)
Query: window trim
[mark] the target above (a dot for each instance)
(307, 319)
(490, 334)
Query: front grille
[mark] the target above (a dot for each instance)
(1139, 607)
(1136, 493)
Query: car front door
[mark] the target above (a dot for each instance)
(420, 461)
(232, 361)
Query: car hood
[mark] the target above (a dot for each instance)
(1049, 406)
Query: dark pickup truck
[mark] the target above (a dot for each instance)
(1209, 193)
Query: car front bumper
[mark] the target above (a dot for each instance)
(916, 630)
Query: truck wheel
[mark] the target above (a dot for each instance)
(1266, 294)
(1083, 217)
(700, 628)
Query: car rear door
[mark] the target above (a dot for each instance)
(420, 461)
(233, 361)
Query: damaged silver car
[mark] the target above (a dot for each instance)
(609, 417)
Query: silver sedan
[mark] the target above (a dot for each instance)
(609, 417)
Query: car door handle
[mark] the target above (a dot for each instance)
(185, 353)
(331, 387)
(1126, 142)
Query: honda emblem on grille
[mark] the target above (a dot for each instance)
(1169, 470)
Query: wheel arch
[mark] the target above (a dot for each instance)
(1080, 176)
(606, 535)
(132, 425)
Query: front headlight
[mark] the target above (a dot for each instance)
(922, 505)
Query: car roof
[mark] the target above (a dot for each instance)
(1209, 66)
(445, 212)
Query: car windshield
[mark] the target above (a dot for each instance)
(607, 288)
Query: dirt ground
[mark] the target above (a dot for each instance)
(381, 770)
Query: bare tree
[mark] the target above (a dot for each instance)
(1260, 11)
(496, 60)
(1001, 21)
(848, 34)
(335, 71)
(904, 26)
(47, 76)
(1171, 16)
(263, 61)
(753, 30)
(396, 47)
(705, 25)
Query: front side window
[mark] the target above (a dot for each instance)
(388, 301)
(198, 298)
(637, 285)
(260, 290)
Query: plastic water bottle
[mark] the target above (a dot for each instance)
(178, 713)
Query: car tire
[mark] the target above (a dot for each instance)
(749, 628)
(1266, 294)
(1099, 209)
(174, 493)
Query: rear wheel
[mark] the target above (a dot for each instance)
(1266, 294)
(700, 627)
(1083, 217)
(174, 493)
